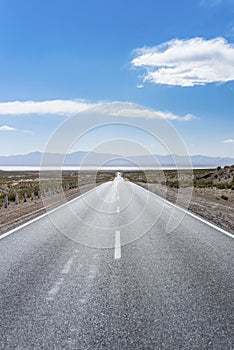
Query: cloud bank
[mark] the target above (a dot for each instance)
(66, 107)
(190, 62)
(59, 107)
(130, 110)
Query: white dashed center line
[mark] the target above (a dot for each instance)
(117, 245)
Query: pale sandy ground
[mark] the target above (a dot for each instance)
(206, 202)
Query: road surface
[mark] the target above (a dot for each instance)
(105, 272)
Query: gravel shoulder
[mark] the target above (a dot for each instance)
(213, 204)
(16, 215)
(206, 202)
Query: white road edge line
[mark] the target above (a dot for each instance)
(191, 214)
(118, 209)
(117, 245)
(74, 199)
(45, 214)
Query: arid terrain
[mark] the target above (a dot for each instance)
(211, 191)
(41, 196)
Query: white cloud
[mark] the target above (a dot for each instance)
(228, 141)
(7, 128)
(10, 128)
(130, 110)
(61, 107)
(43, 107)
(187, 62)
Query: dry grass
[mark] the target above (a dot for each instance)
(212, 191)
(28, 182)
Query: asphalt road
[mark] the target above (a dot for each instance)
(107, 272)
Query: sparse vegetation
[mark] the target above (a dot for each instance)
(220, 178)
(20, 182)
(211, 189)
(213, 195)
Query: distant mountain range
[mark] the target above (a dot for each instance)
(91, 159)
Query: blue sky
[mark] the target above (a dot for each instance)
(175, 57)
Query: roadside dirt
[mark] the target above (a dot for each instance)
(16, 215)
(206, 202)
